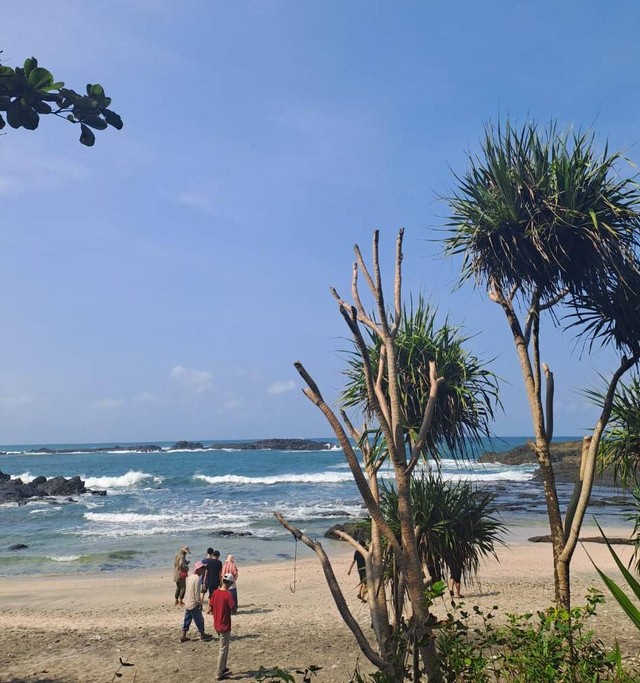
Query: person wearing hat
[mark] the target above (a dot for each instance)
(223, 605)
(193, 603)
(180, 572)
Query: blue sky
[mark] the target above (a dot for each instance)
(161, 284)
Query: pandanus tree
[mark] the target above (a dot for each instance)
(456, 525)
(390, 437)
(550, 225)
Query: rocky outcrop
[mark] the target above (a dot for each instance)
(586, 539)
(17, 491)
(565, 456)
(187, 446)
(360, 531)
(275, 445)
(523, 454)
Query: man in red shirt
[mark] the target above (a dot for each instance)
(223, 606)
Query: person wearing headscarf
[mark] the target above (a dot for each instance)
(180, 573)
(230, 567)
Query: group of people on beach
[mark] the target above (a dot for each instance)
(217, 583)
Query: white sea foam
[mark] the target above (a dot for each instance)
(131, 479)
(125, 517)
(26, 477)
(305, 478)
(64, 558)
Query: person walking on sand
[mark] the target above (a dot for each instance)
(180, 572)
(358, 559)
(213, 573)
(193, 604)
(223, 605)
(230, 567)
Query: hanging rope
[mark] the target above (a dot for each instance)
(292, 586)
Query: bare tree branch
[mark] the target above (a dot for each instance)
(435, 383)
(338, 596)
(373, 507)
(548, 401)
(397, 294)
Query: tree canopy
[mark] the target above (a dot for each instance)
(30, 91)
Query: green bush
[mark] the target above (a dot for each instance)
(550, 646)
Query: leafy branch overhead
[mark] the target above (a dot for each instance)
(31, 91)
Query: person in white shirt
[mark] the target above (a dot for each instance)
(193, 603)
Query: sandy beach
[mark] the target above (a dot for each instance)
(67, 629)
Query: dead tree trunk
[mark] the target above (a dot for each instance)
(386, 406)
(564, 532)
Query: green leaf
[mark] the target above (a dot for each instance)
(112, 118)
(87, 137)
(95, 90)
(30, 64)
(40, 78)
(13, 117)
(41, 107)
(95, 122)
(30, 118)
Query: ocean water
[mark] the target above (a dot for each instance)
(157, 502)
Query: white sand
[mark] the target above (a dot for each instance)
(71, 629)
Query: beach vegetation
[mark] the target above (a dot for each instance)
(30, 91)
(550, 226)
(543, 647)
(456, 526)
(399, 430)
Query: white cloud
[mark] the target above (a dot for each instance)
(108, 403)
(16, 401)
(281, 387)
(145, 397)
(198, 381)
(198, 200)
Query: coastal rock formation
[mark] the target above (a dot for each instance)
(186, 446)
(586, 539)
(17, 491)
(261, 444)
(357, 530)
(564, 454)
(276, 445)
(522, 455)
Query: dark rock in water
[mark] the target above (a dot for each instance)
(16, 491)
(59, 486)
(97, 493)
(226, 533)
(275, 445)
(524, 455)
(18, 546)
(586, 539)
(360, 531)
(187, 446)
(565, 456)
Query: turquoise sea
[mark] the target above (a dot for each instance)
(157, 502)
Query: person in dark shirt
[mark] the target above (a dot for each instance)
(213, 571)
(358, 559)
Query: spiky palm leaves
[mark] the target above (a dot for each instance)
(620, 445)
(457, 524)
(543, 210)
(467, 400)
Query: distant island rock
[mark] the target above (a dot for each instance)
(260, 445)
(17, 491)
(275, 445)
(565, 456)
